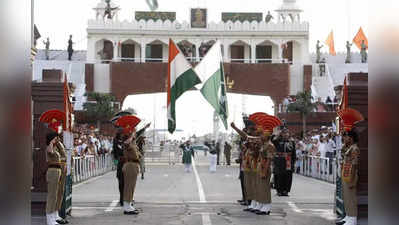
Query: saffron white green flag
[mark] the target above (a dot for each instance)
(181, 78)
(213, 86)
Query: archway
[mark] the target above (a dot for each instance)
(104, 50)
(239, 52)
(266, 52)
(130, 50)
(156, 51)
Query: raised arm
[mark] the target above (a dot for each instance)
(141, 131)
(240, 132)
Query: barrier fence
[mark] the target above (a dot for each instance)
(169, 153)
(85, 167)
(319, 167)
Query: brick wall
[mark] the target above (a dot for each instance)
(307, 77)
(313, 120)
(89, 77)
(259, 79)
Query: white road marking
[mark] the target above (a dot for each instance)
(112, 206)
(227, 175)
(201, 192)
(206, 219)
(294, 207)
(166, 175)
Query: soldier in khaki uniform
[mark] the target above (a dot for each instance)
(350, 177)
(350, 165)
(53, 178)
(263, 188)
(130, 171)
(250, 155)
(60, 148)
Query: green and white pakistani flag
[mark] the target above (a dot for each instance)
(213, 85)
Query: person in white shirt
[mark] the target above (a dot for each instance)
(322, 147)
(324, 131)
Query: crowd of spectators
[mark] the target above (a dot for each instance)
(89, 141)
(323, 143)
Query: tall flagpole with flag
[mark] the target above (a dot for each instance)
(359, 37)
(213, 86)
(330, 43)
(181, 78)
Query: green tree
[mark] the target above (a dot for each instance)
(304, 105)
(100, 111)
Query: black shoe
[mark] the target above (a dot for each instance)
(255, 211)
(263, 213)
(240, 201)
(247, 209)
(279, 194)
(62, 221)
(142, 177)
(340, 222)
(244, 203)
(135, 212)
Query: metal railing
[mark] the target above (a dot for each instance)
(192, 59)
(85, 167)
(319, 167)
(168, 153)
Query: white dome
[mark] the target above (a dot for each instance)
(289, 5)
(102, 4)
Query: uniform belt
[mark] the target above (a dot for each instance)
(132, 160)
(54, 166)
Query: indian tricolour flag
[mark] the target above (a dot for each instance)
(181, 78)
(213, 86)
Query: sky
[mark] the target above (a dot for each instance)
(59, 18)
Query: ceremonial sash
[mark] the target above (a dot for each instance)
(347, 172)
(287, 162)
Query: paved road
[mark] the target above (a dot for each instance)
(169, 196)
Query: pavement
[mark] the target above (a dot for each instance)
(170, 196)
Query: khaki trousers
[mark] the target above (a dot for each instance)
(61, 189)
(53, 179)
(130, 172)
(263, 189)
(250, 184)
(350, 199)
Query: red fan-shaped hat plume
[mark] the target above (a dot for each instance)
(265, 121)
(128, 123)
(53, 118)
(350, 117)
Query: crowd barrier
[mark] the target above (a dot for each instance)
(319, 167)
(85, 167)
(170, 154)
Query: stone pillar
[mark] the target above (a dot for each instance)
(280, 52)
(45, 96)
(253, 53)
(225, 52)
(142, 53)
(91, 49)
(197, 46)
(116, 51)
